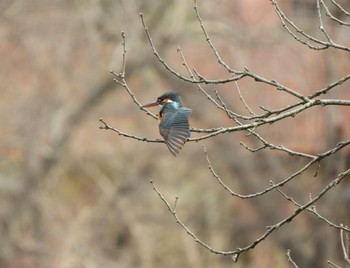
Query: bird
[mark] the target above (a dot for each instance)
(173, 120)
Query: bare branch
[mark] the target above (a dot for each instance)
(230, 114)
(330, 86)
(120, 79)
(333, 264)
(184, 62)
(275, 227)
(124, 55)
(281, 148)
(243, 100)
(260, 122)
(313, 211)
(290, 27)
(290, 259)
(277, 85)
(316, 159)
(217, 55)
(236, 253)
(121, 133)
(322, 28)
(328, 13)
(266, 190)
(285, 22)
(201, 80)
(346, 13)
(254, 121)
(183, 226)
(345, 243)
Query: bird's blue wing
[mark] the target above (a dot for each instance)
(174, 128)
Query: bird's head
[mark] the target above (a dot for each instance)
(170, 98)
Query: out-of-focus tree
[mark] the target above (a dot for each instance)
(260, 121)
(72, 196)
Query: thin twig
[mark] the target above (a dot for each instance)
(329, 15)
(287, 23)
(330, 86)
(277, 85)
(207, 38)
(183, 226)
(345, 243)
(346, 13)
(127, 135)
(322, 28)
(273, 186)
(290, 259)
(236, 253)
(270, 120)
(171, 70)
(230, 114)
(243, 100)
(281, 148)
(120, 78)
(333, 264)
(259, 193)
(184, 62)
(312, 210)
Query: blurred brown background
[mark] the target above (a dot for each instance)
(73, 195)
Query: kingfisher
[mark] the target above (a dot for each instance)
(173, 120)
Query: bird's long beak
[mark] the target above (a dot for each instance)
(152, 104)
